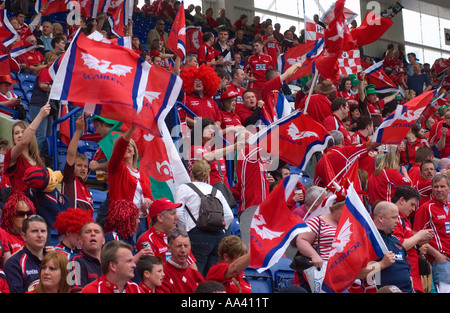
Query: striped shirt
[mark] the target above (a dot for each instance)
(327, 233)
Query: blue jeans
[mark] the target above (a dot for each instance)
(441, 272)
(45, 127)
(205, 248)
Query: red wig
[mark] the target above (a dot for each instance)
(209, 78)
(71, 220)
(122, 218)
(10, 209)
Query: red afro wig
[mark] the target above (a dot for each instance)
(122, 218)
(71, 220)
(9, 210)
(209, 78)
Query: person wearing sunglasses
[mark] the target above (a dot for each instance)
(179, 277)
(16, 209)
(22, 268)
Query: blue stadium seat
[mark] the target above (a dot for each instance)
(235, 227)
(260, 282)
(22, 77)
(98, 197)
(27, 86)
(19, 93)
(281, 272)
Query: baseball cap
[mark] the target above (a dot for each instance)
(160, 205)
(104, 119)
(370, 89)
(228, 95)
(353, 79)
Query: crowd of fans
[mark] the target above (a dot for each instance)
(137, 243)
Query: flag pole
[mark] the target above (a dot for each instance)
(346, 167)
(316, 74)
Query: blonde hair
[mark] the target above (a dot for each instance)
(60, 261)
(389, 160)
(200, 170)
(33, 150)
(136, 154)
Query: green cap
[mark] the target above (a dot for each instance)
(104, 119)
(353, 79)
(370, 89)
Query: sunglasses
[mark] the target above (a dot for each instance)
(177, 233)
(23, 213)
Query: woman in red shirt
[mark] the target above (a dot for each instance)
(233, 260)
(227, 115)
(24, 153)
(126, 181)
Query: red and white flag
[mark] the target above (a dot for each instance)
(111, 76)
(350, 62)
(376, 76)
(177, 36)
(293, 138)
(371, 29)
(194, 37)
(121, 12)
(273, 226)
(395, 127)
(356, 243)
(7, 32)
(90, 8)
(53, 6)
(313, 31)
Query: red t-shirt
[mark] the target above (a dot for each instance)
(217, 273)
(271, 48)
(179, 279)
(204, 107)
(16, 172)
(412, 148)
(103, 285)
(228, 119)
(319, 107)
(256, 66)
(332, 122)
(383, 186)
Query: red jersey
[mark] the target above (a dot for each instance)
(204, 107)
(217, 273)
(384, 185)
(319, 107)
(412, 148)
(240, 90)
(347, 95)
(158, 243)
(103, 285)
(228, 119)
(256, 66)
(206, 53)
(76, 190)
(271, 48)
(404, 231)
(435, 135)
(332, 122)
(30, 58)
(434, 215)
(16, 173)
(179, 279)
(9, 96)
(423, 186)
(253, 185)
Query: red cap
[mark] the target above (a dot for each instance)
(7, 79)
(160, 205)
(228, 95)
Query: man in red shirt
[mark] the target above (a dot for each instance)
(250, 112)
(163, 215)
(256, 65)
(206, 53)
(406, 199)
(340, 109)
(434, 215)
(179, 277)
(202, 105)
(319, 106)
(31, 61)
(237, 79)
(117, 270)
(271, 46)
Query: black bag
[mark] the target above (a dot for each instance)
(210, 213)
(21, 112)
(301, 262)
(226, 192)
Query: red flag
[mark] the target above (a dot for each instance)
(324, 172)
(90, 8)
(395, 127)
(273, 226)
(53, 6)
(356, 243)
(177, 36)
(194, 37)
(293, 138)
(121, 13)
(350, 62)
(113, 77)
(371, 29)
(337, 36)
(7, 32)
(376, 76)
(435, 105)
(64, 127)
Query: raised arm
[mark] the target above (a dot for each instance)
(73, 145)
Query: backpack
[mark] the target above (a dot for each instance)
(210, 213)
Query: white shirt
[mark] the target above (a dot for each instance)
(187, 196)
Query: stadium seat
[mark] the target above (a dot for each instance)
(281, 272)
(235, 227)
(27, 86)
(98, 196)
(260, 282)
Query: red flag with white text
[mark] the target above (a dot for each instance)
(273, 226)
